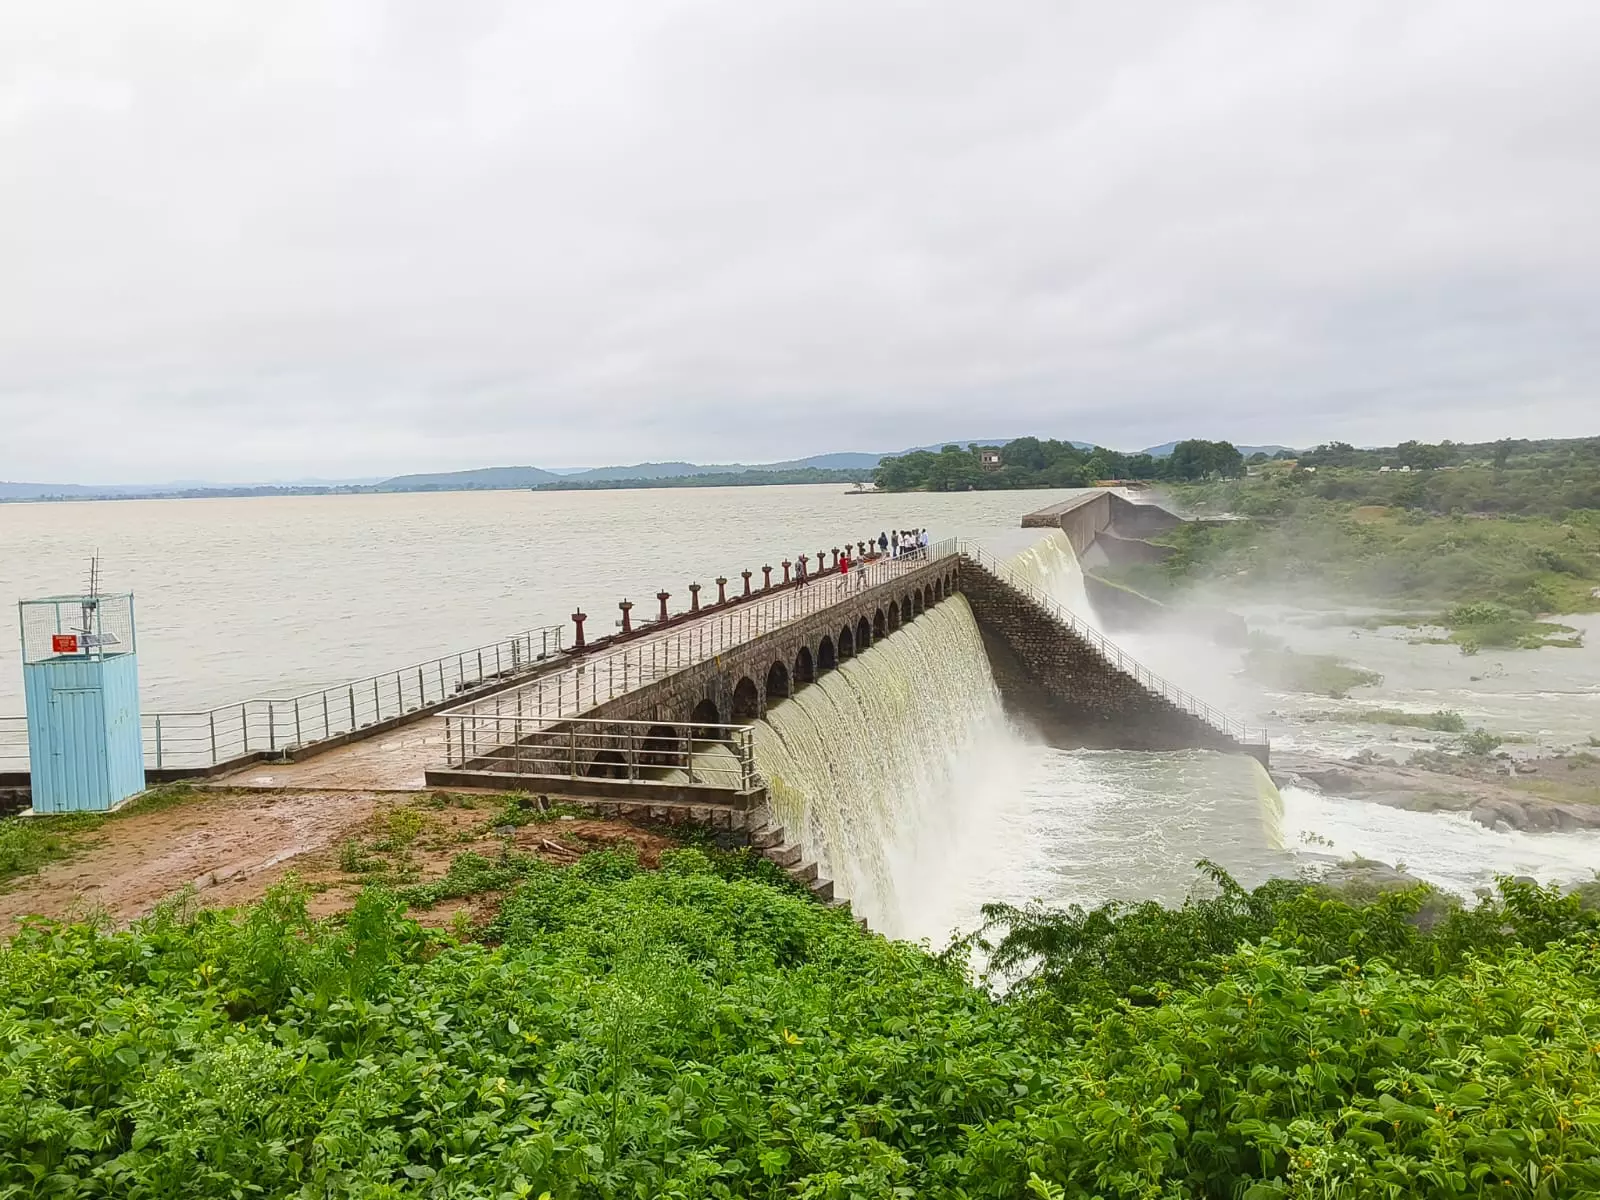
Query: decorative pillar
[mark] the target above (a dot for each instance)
(766, 579)
(821, 556)
(804, 558)
(627, 618)
(694, 597)
(578, 619)
(786, 565)
(861, 549)
(722, 589)
(663, 597)
(747, 573)
(834, 565)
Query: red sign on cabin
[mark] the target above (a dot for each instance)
(64, 643)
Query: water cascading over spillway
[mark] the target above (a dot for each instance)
(1051, 565)
(876, 766)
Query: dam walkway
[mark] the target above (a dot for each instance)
(669, 704)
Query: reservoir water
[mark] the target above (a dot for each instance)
(901, 769)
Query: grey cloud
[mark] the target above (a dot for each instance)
(347, 239)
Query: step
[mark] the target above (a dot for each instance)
(785, 856)
(804, 873)
(822, 889)
(766, 838)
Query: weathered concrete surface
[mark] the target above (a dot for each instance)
(1060, 681)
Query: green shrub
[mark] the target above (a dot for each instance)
(676, 1033)
(1481, 742)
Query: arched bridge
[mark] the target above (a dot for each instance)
(648, 711)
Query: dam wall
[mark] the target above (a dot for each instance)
(1108, 521)
(1063, 683)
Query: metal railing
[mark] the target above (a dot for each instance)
(1113, 655)
(603, 677)
(645, 752)
(275, 724)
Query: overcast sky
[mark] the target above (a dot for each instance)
(303, 238)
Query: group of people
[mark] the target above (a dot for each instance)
(902, 543)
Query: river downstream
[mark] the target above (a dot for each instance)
(241, 597)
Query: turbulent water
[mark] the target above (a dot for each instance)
(1050, 565)
(902, 775)
(873, 764)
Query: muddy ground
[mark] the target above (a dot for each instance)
(230, 846)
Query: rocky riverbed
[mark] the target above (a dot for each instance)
(1499, 794)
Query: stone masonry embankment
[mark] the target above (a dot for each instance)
(1059, 680)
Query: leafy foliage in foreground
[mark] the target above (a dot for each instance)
(683, 1034)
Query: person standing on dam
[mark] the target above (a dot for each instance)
(844, 571)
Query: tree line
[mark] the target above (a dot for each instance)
(1029, 462)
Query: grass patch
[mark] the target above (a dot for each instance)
(1314, 674)
(30, 843)
(1444, 720)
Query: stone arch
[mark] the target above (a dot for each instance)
(847, 643)
(705, 713)
(938, 590)
(880, 624)
(804, 669)
(663, 746)
(827, 657)
(863, 634)
(950, 583)
(905, 610)
(894, 616)
(777, 682)
(746, 701)
(916, 604)
(927, 597)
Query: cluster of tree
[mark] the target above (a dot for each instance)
(1029, 462)
(1426, 456)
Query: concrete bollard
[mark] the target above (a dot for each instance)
(663, 597)
(747, 573)
(804, 558)
(722, 589)
(834, 565)
(786, 565)
(694, 597)
(766, 579)
(578, 619)
(627, 617)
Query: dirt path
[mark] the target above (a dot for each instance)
(132, 862)
(230, 846)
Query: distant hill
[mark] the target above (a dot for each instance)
(483, 478)
(1165, 449)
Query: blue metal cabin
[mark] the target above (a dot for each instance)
(80, 674)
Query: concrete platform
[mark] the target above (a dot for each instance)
(394, 761)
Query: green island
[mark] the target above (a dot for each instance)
(702, 1030)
